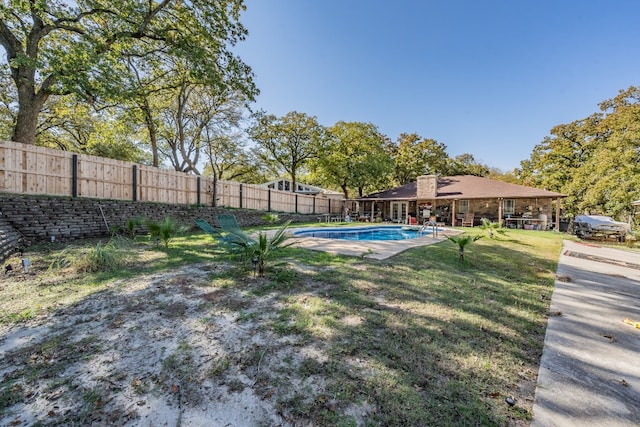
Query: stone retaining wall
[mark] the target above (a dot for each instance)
(26, 220)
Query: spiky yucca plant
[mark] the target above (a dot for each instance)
(490, 227)
(462, 242)
(165, 230)
(260, 250)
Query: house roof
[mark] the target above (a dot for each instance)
(285, 184)
(465, 187)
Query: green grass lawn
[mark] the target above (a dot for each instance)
(418, 339)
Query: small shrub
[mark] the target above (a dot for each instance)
(133, 224)
(492, 227)
(271, 218)
(165, 230)
(103, 257)
(258, 251)
(463, 242)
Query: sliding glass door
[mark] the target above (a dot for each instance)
(398, 211)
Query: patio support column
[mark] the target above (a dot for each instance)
(500, 211)
(373, 209)
(453, 213)
(558, 214)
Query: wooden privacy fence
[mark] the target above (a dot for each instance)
(28, 169)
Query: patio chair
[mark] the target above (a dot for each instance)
(468, 219)
(229, 225)
(224, 237)
(207, 228)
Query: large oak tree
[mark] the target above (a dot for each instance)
(289, 141)
(57, 47)
(356, 156)
(594, 161)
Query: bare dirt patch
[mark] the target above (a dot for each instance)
(161, 349)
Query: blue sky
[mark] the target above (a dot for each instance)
(489, 77)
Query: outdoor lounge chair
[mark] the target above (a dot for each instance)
(224, 236)
(229, 225)
(467, 221)
(207, 228)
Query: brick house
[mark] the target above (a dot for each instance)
(450, 198)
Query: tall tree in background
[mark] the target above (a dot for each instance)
(355, 157)
(594, 161)
(228, 160)
(56, 47)
(75, 126)
(290, 141)
(414, 156)
(197, 115)
(610, 179)
(466, 164)
(556, 161)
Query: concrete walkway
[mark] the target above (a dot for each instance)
(590, 367)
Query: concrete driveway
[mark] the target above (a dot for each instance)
(590, 367)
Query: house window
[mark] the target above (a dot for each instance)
(464, 206)
(509, 206)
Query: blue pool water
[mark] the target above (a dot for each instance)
(364, 233)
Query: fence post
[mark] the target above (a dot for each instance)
(74, 175)
(314, 204)
(296, 202)
(198, 190)
(135, 182)
(214, 196)
(269, 200)
(329, 206)
(240, 196)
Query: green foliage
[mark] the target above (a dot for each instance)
(85, 48)
(594, 161)
(462, 242)
(133, 224)
(271, 218)
(165, 230)
(466, 164)
(108, 256)
(491, 227)
(414, 156)
(259, 251)
(289, 141)
(195, 122)
(479, 330)
(104, 257)
(228, 160)
(355, 157)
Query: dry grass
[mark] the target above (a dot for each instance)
(187, 335)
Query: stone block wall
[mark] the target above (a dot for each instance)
(26, 220)
(10, 239)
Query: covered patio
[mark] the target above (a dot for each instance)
(449, 200)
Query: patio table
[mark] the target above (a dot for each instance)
(521, 222)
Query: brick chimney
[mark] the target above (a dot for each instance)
(427, 187)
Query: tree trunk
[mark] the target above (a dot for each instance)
(151, 128)
(293, 181)
(29, 106)
(214, 202)
(345, 191)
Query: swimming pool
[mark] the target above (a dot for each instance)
(393, 232)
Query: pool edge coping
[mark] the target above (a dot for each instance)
(372, 249)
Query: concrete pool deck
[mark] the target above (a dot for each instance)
(374, 249)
